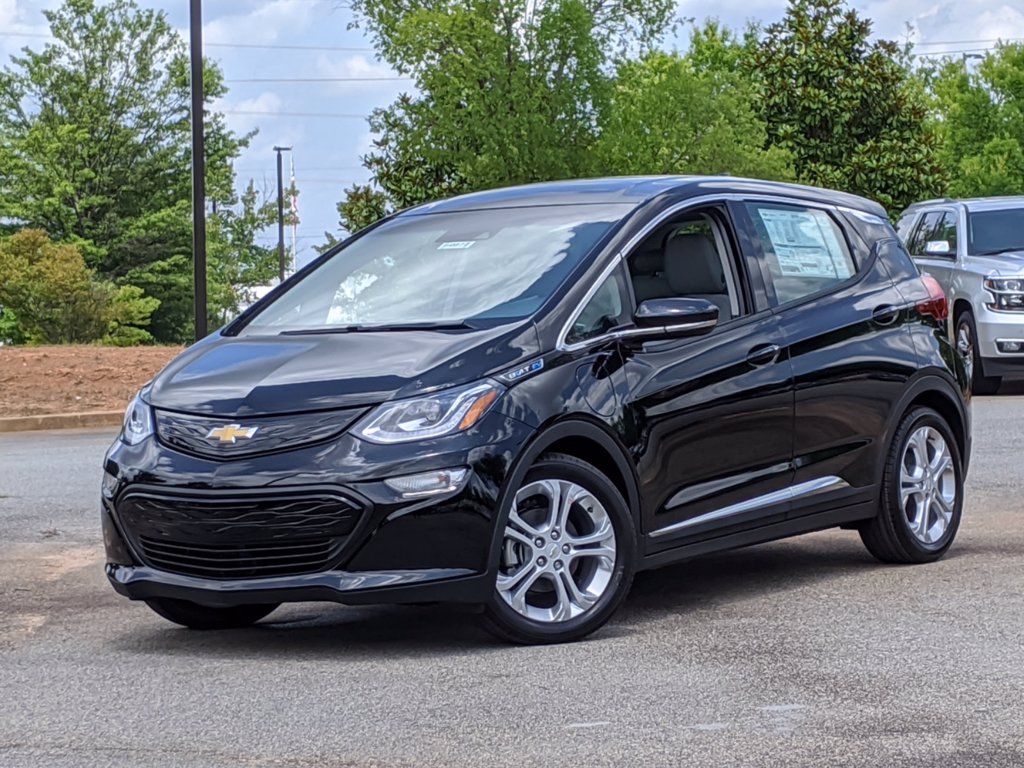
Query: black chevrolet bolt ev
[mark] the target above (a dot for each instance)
(520, 398)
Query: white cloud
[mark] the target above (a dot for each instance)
(359, 66)
(265, 22)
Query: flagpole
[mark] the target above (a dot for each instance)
(295, 216)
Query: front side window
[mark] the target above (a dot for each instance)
(992, 232)
(930, 224)
(805, 250)
(473, 268)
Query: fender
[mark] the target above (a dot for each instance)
(575, 426)
(941, 383)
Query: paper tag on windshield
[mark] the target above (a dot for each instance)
(456, 245)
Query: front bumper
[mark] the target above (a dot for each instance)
(994, 327)
(201, 517)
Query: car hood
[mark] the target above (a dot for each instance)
(258, 375)
(1011, 263)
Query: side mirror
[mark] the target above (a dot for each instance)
(937, 248)
(674, 318)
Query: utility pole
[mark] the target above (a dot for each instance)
(198, 167)
(280, 211)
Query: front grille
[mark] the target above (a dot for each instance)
(238, 534)
(266, 434)
(241, 561)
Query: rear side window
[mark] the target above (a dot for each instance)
(805, 250)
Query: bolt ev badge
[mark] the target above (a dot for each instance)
(231, 433)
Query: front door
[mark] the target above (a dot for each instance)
(713, 415)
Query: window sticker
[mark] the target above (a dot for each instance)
(805, 244)
(456, 245)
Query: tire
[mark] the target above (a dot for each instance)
(195, 616)
(922, 529)
(590, 546)
(967, 346)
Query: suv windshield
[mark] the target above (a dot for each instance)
(443, 269)
(991, 232)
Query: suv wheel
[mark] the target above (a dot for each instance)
(922, 493)
(967, 346)
(195, 616)
(567, 555)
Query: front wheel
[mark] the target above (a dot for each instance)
(922, 493)
(195, 616)
(967, 346)
(567, 556)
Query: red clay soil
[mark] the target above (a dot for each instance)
(74, 379)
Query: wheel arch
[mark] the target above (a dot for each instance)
(935, 392)
(585, 439)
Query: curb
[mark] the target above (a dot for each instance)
(61, 421)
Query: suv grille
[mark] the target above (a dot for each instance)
(238, 534)
(267, 434)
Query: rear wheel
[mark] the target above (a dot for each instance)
(567, 555)
(967, 346)
(195, 616)
(922, 493)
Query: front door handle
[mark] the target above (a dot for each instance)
(763, 354)
(886, 314)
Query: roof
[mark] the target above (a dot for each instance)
(973, 203)
(636, 190)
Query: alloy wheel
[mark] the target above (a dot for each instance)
(558, 553)
(927, 485)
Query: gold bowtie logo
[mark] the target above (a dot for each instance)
(231, 433)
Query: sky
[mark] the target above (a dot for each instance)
(299, 75)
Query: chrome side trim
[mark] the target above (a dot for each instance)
(799, 491)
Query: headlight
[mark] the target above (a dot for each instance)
(444, 413)
(138, 422)
(1008, 293)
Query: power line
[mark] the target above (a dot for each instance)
(256, 113)
(315, 79)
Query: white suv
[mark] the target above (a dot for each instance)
(975, 249)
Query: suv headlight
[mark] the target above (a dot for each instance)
(138, 422)
(419, 418)
(1007, 292)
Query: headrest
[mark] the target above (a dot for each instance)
(649, 262)
(692, 266)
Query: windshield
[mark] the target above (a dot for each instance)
(443, 269)
(995, 231)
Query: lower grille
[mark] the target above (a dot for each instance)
(241, 561)
(238, 534)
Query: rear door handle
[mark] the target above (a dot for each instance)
(886, 314)
(763, 354)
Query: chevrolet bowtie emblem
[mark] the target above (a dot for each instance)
(231, 433)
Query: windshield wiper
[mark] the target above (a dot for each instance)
(1001, 251)
(383, 327)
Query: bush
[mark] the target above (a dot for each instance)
(56, 298)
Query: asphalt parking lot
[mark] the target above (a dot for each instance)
(800, 653)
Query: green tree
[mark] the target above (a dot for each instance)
(508, 92)
(694, 113)
(94, 149)
(981, 122)
(848, 108)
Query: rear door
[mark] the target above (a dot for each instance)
(847, 333)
